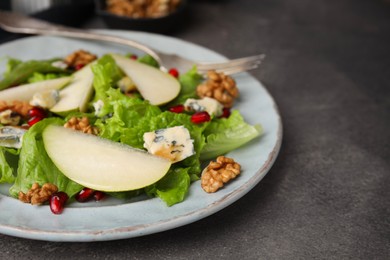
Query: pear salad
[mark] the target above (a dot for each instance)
(81, 128)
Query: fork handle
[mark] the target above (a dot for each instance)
(18, 23)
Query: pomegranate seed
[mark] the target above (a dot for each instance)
(174, 72)
(37, 111)
(32, 121)
(225, 112)
(177, 109)
(58, 201)
(200, 117)
(84, 195)
(133, 57)
(99, 195)
(79, 66)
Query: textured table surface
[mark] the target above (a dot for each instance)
(327, 195)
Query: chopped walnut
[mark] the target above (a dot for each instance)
(81, 124)
(216, 174)
(38, 195)
(142, 8)
(79, 58)
(220, 87)
(16, 106)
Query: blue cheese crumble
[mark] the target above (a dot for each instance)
(126, 85)
(11, 136)
(45, 99)
(173, 143)
(98, 106)
(210, 105)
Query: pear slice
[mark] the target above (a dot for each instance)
(101, 164)
(154, 85)
(26, 92)
(76, 95)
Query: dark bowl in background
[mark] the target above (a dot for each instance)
(163, 24)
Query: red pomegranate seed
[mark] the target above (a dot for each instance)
(177, 109)
(84, 195)
(200, 117)
(133, 57)
(174, 72)
(79, 66)
(58, 201)
(99, 195)
(37, 111)
(225, 112)
(32, 121)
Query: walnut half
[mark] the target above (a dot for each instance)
(220, 87)
(216, 174)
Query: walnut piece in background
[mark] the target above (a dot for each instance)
(79, 58)
(142, 8)
(216, 174)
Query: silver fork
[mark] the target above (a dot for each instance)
(17, 23)
(227, 67)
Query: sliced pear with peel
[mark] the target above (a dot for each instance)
(154, 85)
(26, 92)
(77, 94)
(101, 164)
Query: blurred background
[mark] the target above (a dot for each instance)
(161, 16)
(70, 12)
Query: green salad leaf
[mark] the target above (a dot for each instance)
(172, 188)
(227, 134)
(106, 74)
(8, 163)
(148, 60)
(19, 72)
(37, 76)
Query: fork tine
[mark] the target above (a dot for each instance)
(236, 69)
(257, 59)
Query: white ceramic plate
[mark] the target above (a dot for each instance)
(114, 219)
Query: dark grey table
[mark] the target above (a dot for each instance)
(327, 195)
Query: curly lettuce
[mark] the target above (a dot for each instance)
(227, 134)
(8, 164)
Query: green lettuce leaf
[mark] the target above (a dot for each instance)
(226, 134)
(36, 166)
(18, 72)
(172, 188)
(106, 74)
(11, 64)
(37, 76)
(126, 113)
(8, 163)
(148, 60)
